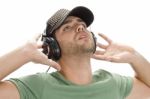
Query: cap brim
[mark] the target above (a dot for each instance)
(84, 13)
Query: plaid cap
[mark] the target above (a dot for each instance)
(59, 17)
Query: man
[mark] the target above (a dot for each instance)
(68, 42)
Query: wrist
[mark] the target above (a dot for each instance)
(26, 53)
(136, 58)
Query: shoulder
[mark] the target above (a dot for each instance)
(32, 85)
(34, 80)
(122, 84)
(99, 74)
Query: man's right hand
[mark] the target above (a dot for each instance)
(33, 51)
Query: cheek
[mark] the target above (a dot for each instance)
(65, 38)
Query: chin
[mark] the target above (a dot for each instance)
(88, 49)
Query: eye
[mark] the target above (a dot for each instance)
(84, 25)
(67, 28)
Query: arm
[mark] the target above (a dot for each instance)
(12, 61)
(141, 66)
(17, 58)
(141, 82)
(22, 55)
(115, 52)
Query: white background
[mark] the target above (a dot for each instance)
(124, 21)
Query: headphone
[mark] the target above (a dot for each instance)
(51, 47)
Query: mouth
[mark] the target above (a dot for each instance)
(83, 37)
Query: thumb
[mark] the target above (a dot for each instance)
(53, 64)
(41, 58)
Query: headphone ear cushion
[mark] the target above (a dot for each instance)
(95, 40)
(51, 48)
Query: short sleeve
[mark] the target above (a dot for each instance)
(29, 87)
(124, 84)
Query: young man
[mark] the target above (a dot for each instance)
(68, 42)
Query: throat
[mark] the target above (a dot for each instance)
(76, 69)
(78, 78)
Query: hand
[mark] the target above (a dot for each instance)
(32, 49)
(114, 52)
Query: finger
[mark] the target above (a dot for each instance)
(43, 59)
(40, 44)
(121, 58)
(106, 58)
(99, 57)
(105, 38)
(54, 64)
(98, 52)
(113, 59)
(36, 37)
(102, 45)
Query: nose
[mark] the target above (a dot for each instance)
(80, 28)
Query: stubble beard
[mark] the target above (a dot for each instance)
(75, 49)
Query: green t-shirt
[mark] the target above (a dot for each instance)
(105, 85)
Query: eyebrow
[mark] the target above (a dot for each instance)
(70, 20)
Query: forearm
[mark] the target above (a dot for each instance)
(142, 68)
(12, 61)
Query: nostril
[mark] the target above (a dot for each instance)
(80, 28)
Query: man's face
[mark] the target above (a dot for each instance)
(74, 38)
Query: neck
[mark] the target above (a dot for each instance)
(76, 69)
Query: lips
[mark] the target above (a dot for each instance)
(82, 37)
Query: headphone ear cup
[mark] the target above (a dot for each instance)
(51, 48)
(95, 40)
